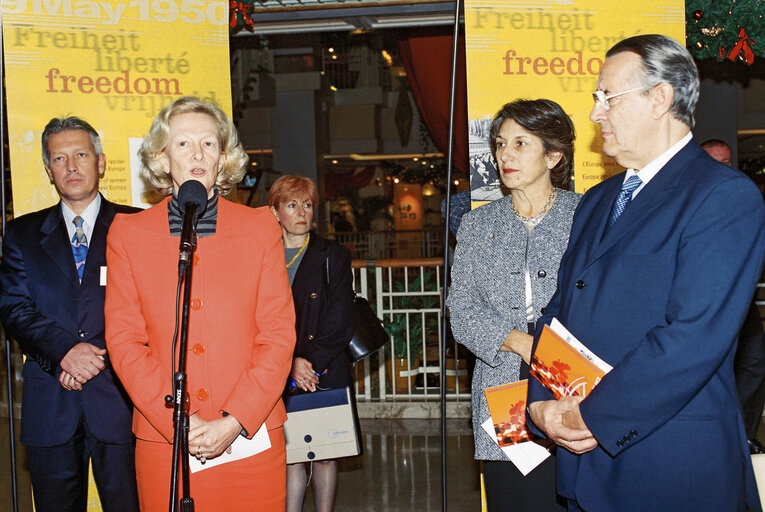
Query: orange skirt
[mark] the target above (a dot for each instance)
(257, 483)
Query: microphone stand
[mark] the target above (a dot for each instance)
(180, 399)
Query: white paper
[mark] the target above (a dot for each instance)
(577, 345)
(102, 277)
(525, 456)
(241, 448)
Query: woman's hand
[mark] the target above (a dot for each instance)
(519, 343)
(304, 375)
(208, 439)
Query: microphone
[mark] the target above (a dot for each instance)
(192, 196)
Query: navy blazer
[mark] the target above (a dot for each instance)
(661, 298)
(45, 308)
(324, 316)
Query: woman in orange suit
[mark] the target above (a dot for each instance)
(241, 322)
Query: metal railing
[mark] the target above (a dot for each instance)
(379, 245)
(407, 295)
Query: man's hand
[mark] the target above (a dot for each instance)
(83, 362)
(208, 439)
(562, 422)
(68, 382)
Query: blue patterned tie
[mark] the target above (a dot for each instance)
(623, 199)
(79, 246)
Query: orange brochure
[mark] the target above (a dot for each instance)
(507, 425)
(507, 406)
(565, 366)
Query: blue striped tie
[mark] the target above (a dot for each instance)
(79, 246)
(623, 199)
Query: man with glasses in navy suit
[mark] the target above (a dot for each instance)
(660, 269)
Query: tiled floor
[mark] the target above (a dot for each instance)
(400, 470)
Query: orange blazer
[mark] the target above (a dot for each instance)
(241, 319)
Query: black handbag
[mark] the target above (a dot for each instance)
(369, 335)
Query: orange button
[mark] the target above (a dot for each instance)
(196, 259)
(196, 303)
(198, 349)
(202, 394)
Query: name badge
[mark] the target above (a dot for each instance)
(103, 275)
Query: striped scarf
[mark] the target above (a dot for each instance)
(205, 224)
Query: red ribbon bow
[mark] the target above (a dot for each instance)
(243, 9)
(743, 42)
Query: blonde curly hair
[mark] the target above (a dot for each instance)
(156, 141)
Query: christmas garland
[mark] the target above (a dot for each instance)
(715, 29)
(725, 29)
(240, 16)
(417, 172)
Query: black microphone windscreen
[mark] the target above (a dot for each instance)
(192, 191)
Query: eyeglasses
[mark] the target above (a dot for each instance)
(600, 97)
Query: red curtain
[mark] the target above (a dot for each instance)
(428, 62)
(338, 184)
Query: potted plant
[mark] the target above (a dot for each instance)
(399, 367)
(457, 370)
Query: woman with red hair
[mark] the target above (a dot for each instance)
(319, 271)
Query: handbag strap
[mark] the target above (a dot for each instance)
(326, 274)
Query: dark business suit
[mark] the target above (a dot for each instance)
(661, 297)
(324, 319)
(45, 308)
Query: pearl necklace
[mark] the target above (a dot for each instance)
(296, 256)
(541, 214)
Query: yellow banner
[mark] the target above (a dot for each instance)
(549, 49)
(113, 63)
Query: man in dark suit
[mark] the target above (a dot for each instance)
(749, 363)
(659, 272)
(52, 283)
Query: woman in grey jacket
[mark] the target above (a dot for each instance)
(505, 271)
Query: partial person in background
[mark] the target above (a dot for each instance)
(749, 365)
(719, 150)
(504, 273)
(459, 205)
(74, 410)
(320, 273)
(341, 224)
(241, 319)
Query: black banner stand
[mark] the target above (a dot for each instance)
(9, 368)
(444, 318)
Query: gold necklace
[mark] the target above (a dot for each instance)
(295, 257)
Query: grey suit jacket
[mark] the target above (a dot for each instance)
(487, 298)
